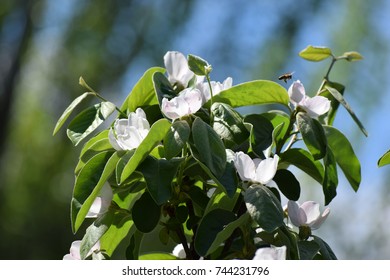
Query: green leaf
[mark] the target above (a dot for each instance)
(331, 181)
(88, 120)
(315, 53)
(288, 184)
(264, 207)
(198, 65)
(143, 93)
(176, 138)
(262, 130)
(325, 249)
(228, 124)
(209, 146)
(162, 87)
(94, 232)
(339, 97)
(308, 249)
(221, 200)
(159, 174)
(146, 213)
(334, 103)
(385, 159)
(88, 184)
(304, 161)
(122, 227)
(253, 93)
(157, 256)
(344, 155)
(156, 134)
(213, 223)
(352, 56)
(69, 110)
(313, 135)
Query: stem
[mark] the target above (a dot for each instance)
(105, 100)
(330, 68)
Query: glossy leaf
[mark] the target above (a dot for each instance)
(146, 213)
(228, 124)
(213, 223)
(262, 130)
(159, 174)
(331, 180)
(157, 256)
(176, 138)
(198, 65)
(156, 134)
(264, 207)
(88, 120)
(253, 93)
(344, 155)
(94, 232)
(313, 135)
(210, 148)
(315, 53)
(122, 227)
(288, 184)
(162, 87)
(385, 159)
(143, 93)
(88, 184)
(304, 161)
(221, 200)
(308, 249)
(325, 250)
(65, 115)
(339, 97)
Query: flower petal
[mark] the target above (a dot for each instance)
(245, 166)
(312, 210)
(296, 214)
(177, 68)
(266, 169)
(316, 106)
(296, 92)
(193, 97)
(271, 253)
(321, 219)
(113, 141)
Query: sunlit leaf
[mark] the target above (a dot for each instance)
(88, 184)
(198, 65)
(69, 110)
(264, 207)
(142, 93)
(315, 53)
(339, 97)
(88, 120)
(157, 256)
(352, 56)
(176, 138)
(253, 93)
(344, 155)
(385, 159)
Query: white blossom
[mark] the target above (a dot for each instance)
(256, 170)
(307, 214)
(271, 253)
(101, 203)
(189, 101)
(128, 134)
(314, 106)
(74, 252)
(216, 87)
(177, 69)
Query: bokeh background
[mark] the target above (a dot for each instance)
(45, 46)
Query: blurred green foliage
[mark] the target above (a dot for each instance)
(45, 46)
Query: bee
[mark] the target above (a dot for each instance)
(286, 77)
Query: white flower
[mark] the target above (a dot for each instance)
(314, 106)
(307, 214)
(101, 203)
(217, 87)
(256, 170)
(129, 133)
(74, 252)
(271, 253)
(189, 101)
(179, 252)
(177, 69)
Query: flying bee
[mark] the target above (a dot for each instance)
(286, 77)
